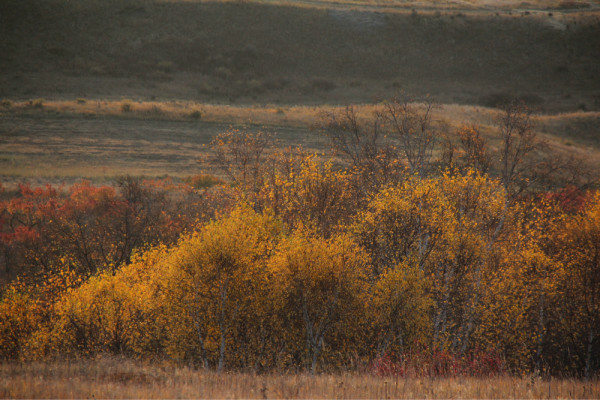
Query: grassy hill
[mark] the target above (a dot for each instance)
(139, 86)
(275, 52)
(67, 140)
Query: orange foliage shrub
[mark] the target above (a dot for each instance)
(299, 267)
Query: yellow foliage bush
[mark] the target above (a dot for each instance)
(27, 311)
(315, 274)
(321, 284)
(310, 193)
(216, 282)
(400, 310)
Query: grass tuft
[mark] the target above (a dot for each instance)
(126, 106)
(37, 103)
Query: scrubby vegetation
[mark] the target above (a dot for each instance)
(412, 251)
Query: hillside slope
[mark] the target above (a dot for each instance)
(249, 52)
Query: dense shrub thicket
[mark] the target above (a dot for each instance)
(400, 260)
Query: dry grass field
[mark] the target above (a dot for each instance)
(63, 141)
(122, 378)
(138, 87)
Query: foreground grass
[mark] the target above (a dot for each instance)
(124, 378)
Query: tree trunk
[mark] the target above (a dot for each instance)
(313, 367)
(542, 328)
(222, 353)
(588, 359)
(316, 350)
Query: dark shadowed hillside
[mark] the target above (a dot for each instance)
(250, 52)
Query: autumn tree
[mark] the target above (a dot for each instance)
(400, 307)
(21, 218)
(578, 248)
(94, 227)
(519, 140)
(27, 312)
(321, 284)
(242, 156)
(216, 278)
(312, 193)
(471, 152)
(399, 224)
(413, 125)
(444, 228)
(373, 157)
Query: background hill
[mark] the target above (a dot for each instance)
(140, 86)
(309, 52)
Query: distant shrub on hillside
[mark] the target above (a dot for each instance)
(572, 4)
(37, 103)
(126, 106)
(202, 181)
(502, 99)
